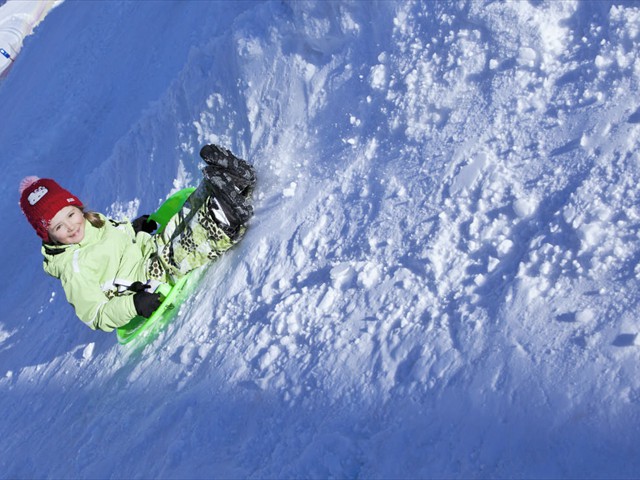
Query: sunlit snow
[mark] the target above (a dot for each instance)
(441, 278)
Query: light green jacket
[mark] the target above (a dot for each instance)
(92, 270)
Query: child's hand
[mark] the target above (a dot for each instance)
(146, 303)
(143, 224)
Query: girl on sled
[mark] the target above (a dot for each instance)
(108, 268)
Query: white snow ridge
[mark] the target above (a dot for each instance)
(441, 278)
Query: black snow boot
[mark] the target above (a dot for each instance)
(242, 185)
(229, 207)
(238, 171)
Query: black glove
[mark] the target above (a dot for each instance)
(146, 303)
(143, 224)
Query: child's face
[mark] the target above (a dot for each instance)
(67, 226)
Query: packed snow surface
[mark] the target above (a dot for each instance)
(441, 278)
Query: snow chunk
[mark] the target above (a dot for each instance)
(504, 247)
(527, 56)
(590, 235)
(124, 210)
(602, 63)
(4, 335)
(348, 24)
(290, 191)
(250, 47)
(269, 356)
(469, 173)
(525, 207)
(378, 77)
(343, 275)
(215, 100)
(370, 275)
(585, 316)
(87, 353)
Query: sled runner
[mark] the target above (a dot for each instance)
(172, 295)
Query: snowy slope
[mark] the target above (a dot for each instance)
(441, 277)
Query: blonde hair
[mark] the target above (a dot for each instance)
(93, 218)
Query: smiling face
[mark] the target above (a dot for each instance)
(67, 226)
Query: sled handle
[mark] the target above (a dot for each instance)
(170, 207)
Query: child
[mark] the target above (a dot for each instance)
(107, 268)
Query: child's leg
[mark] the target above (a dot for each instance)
(191, 238)
(212, 219)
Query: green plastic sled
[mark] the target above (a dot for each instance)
(172, 295)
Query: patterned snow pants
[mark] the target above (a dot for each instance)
(191, 239)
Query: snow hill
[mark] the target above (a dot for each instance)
(441, 279)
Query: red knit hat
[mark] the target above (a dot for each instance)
(41, 199)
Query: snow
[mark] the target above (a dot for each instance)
(18, 19)
(441, 279)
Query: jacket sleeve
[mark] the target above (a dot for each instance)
(93, 307)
